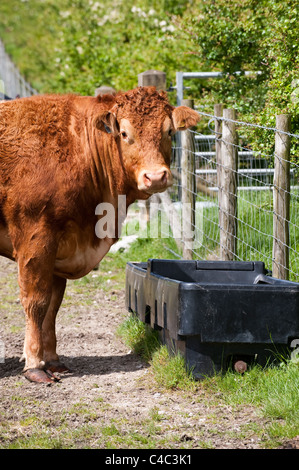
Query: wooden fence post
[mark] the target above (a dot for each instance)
(104, 90)
(281, 199)
(218, 111)
(228, 185)
(188, 185)
(153, 78)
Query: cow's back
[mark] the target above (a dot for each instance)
(34, 126)
(40, 155)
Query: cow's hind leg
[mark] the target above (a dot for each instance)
(51, 359)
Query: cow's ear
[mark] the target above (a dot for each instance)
(107, 122)
(184, 117)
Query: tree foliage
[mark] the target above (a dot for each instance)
(111, 43)
(252, 35)
(78, 45)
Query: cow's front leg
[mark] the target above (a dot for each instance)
(36, 284)
(51, 359)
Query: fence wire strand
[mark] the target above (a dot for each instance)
(248, 124)
(255, 212)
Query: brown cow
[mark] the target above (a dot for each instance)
(60, 157)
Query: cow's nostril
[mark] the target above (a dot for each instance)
(156, 180)
(147, 180)
(164, 177)
(159, 177)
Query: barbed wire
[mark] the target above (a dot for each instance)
(258, 126)
(255, 212)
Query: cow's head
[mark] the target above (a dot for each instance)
(143, 122)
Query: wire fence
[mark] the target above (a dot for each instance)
(251, 212)
(228, 200)
(12, 84)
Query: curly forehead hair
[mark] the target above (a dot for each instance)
(145, 101)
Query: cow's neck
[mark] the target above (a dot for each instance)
(109, 181)
(107, 172)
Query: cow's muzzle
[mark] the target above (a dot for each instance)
(155, 181)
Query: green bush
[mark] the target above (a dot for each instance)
(78, 46)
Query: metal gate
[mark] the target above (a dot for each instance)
(12, 84)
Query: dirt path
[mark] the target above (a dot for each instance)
(109, 399)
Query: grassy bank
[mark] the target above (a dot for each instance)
(273, 391)
(153, 402)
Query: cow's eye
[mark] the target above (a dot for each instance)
(170, 132)
(126, 137)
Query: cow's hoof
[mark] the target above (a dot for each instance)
(40, 376)
(56, 366)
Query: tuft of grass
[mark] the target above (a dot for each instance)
(139, 337)
(273, 391)
(170, 370)
(110, 431)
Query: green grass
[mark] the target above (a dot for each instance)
(170, 370)
(255, 230)
(254, 236)
(57, 431)
(273, 390)
(113, 266)
(139, 337)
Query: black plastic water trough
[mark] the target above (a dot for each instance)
(216, 313)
